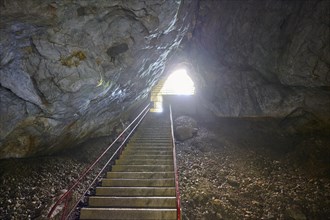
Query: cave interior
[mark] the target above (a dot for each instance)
(74, 73)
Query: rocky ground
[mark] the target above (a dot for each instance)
(235, 169)
(249, 169)
(29, 187)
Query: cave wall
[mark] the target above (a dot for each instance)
(261, 58)
(70, 68)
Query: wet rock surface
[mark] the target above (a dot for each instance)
(251, 170)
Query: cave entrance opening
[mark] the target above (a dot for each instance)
(178, 83)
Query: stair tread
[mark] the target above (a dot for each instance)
(147, 162)
(149, 148)
(143, 165)
(151, 153)
(128, 213)
(143, 172)
(147, 159)
(151, 180)
(147, 156)
(138, 182)
(133, 197)
(140, 175)
(135, 191)
(140, 168)
(132, 202)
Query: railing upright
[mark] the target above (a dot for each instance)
(176, 172)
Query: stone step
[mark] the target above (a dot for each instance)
(135, 191)
(153, 138)
(127, 213)
(150, 140)
(138, 182)
(145, 145)
(148, 147)
(144, 162)
(142, 168)
(148, 143)
(148, 152)
(143, 157)
(140, 175)
(150, 126)
(156, 135)
(132, 202)
(137, 148)
(154, 145)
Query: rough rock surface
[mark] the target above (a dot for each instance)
(252, 58)
(69, 68)
(184, 128)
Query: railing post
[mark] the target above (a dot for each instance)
(176, 172)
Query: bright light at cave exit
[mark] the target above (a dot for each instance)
(179, 83)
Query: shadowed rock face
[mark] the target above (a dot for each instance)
(69, 68)
(262, 58)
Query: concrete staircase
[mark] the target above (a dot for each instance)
(141, 184)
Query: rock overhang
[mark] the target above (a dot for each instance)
(69, 69)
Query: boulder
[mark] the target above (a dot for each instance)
(185, 127)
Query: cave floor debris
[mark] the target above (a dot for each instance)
(227, 172)
(234, 169)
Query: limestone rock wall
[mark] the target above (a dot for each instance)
(262, 58)
(69, 68)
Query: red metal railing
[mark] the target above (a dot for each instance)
(176, 172)
(67, 196)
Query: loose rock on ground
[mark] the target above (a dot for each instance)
(227, 173)
(234, 169)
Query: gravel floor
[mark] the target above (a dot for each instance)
(29, 187)
(237, 171)
(232, 170)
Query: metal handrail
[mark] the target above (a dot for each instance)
(67, 195)
(176, 172)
